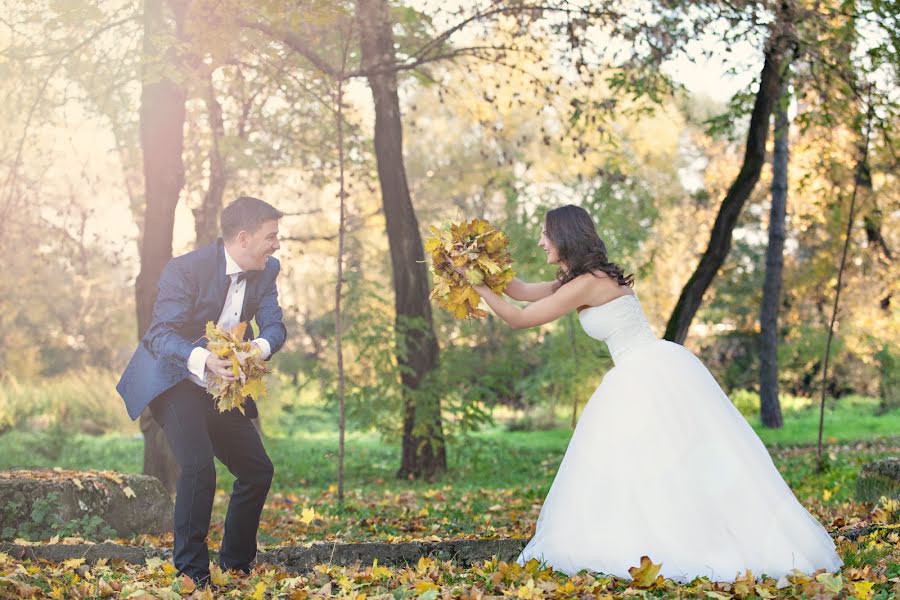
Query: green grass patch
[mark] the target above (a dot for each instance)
(493, 458)
(852, 418)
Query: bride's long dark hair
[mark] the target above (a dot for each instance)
(571, 229)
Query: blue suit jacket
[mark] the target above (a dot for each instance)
(192, 291)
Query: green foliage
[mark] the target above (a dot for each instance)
(374, 393)
(725, 125)
(746, 402)
(44, 522)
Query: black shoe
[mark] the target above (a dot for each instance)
(245, 569)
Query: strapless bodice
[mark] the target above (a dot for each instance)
(620, 323)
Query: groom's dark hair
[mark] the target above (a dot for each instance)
(246, 214)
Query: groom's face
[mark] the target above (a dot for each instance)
(257, 246)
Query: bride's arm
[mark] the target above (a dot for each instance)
(530, 292)
(567, 298)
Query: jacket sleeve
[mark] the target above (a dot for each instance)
(170, 312)
(269, 315)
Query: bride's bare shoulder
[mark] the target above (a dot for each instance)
(600, 288)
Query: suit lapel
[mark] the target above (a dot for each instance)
(249, 292)
(221, 281)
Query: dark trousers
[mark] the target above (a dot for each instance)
(196, 432)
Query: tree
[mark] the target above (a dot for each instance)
(162, 116)
(777, 57)
(206, 216)
(770, 408)
(423, 454)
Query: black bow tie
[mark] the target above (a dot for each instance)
(241, 276)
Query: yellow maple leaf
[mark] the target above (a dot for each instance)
(259, 593)
(488, 265)
(426, 586)
(307, 516)
(255, 388)
(129, 493)
(73, 563)
(863, 589)
(645, 574)
(475, 276)
(528, 591)
(380, 572)
(431, 244)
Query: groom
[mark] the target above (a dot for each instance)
(228, 281)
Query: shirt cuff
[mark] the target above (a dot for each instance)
(265, 350)
(196, 363)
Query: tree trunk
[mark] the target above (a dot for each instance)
(206, 216)
(770, 407)
(754, 158)
(161, 124)
(424, 454)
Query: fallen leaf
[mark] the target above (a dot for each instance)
(73, 563)
(645, 574)
(187, 585)
(260, 592)
(307, 516)
(863, 589)
(832, 583)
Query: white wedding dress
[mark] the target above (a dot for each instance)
(662, 464)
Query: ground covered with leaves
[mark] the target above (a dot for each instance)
(419, 511)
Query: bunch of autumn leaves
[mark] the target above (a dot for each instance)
(481, 251)
(247, 365)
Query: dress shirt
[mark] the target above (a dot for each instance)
(230, 317)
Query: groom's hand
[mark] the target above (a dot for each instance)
(220, 367)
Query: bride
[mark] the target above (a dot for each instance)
(661, 463)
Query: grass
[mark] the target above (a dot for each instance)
(493, 458)
(848, 419)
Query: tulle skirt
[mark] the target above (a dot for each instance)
(662, 464)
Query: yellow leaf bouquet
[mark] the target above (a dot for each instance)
(248, 367)
(481, 251)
